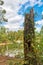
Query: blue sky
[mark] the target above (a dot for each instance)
(16, 9)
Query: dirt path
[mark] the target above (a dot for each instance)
(3, 59)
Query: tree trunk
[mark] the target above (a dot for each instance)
(30, 57)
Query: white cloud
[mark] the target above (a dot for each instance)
(14, 4)
(40, 3)
(40, 22)
(12, 7)
(16, 18)
(42, 12)
(15, 23)
(38, 29)
(13, 27)
(39, 25)
(9, 25)
(34, 2)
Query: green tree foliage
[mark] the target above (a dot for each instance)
(39, 46)
(3, 35)
(41, 38)
(1, 2)
(10, 35)
(2, 18)
(2, 13)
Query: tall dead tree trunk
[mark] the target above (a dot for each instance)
(28, 39)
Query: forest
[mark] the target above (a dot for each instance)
(16, 42)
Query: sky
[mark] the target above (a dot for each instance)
(16, 9)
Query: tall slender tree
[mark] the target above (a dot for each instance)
(29, 38)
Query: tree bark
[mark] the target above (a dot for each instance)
(29, 55)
